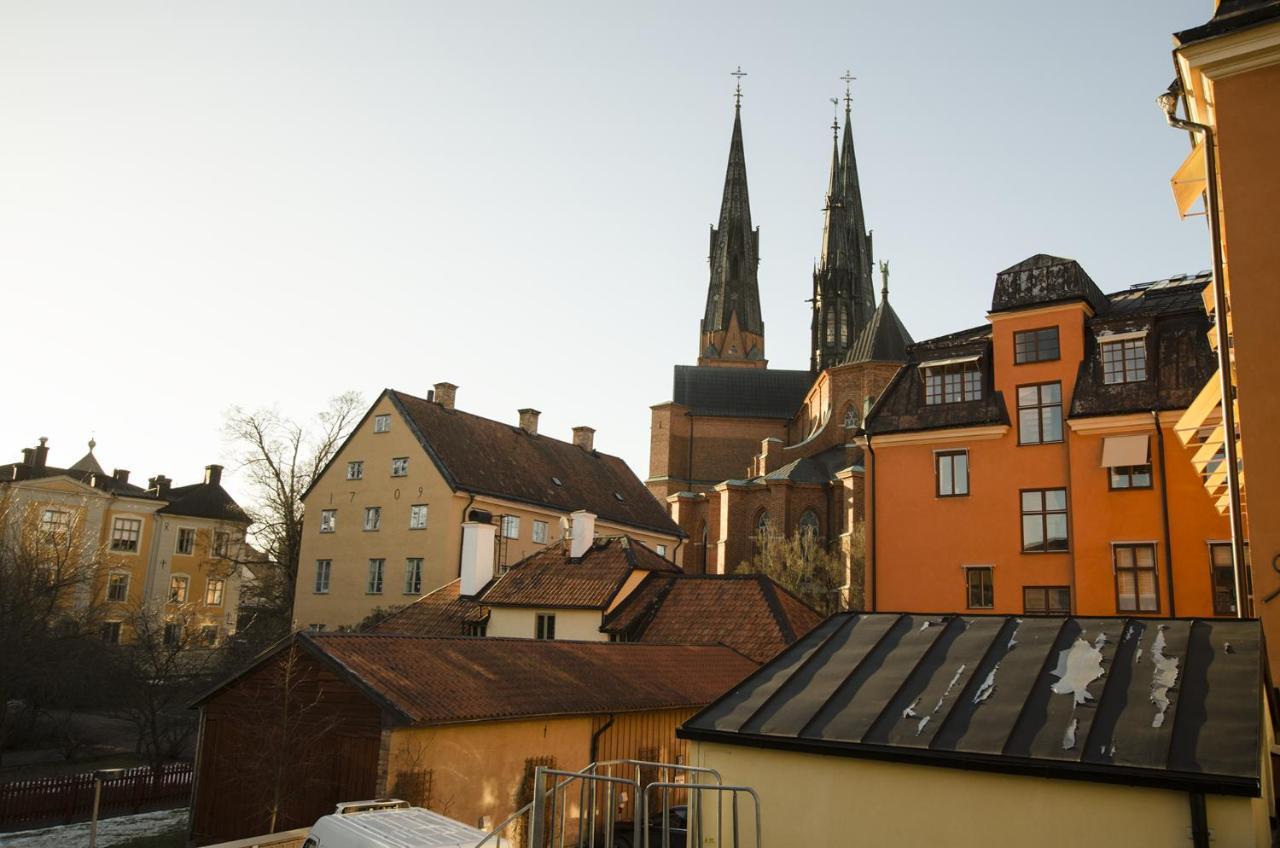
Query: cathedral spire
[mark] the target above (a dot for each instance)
(732, 331)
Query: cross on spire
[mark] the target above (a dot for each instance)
(737, 93)
(848, 92)
(835, 117)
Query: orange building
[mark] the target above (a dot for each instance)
(1030, 465)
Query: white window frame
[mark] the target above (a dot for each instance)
(59, 527)
(374, 512)
(186, 588)
(662, 550)
(382, 423)
(412, 569)
(324, 568)
(111, 583)
(400, 466)
(370, 587)
(540, 629)
(220, 545)
(177, 544)
(355, 469)
(137, 541)
(209, 583)
(328, 520)
(511, 527)
(422, 525)
(540, 529)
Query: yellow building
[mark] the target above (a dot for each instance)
(385, 517)
(1228, 83)
(909, 729)
(162, 547)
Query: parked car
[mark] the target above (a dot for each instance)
(391, 823)
(625, 836)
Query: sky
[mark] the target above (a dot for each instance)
(264, 204)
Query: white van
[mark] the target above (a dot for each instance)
(392, 823)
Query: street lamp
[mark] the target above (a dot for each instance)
(100, 776)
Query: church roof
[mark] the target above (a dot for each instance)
(740, 392)
(884, 339)
(734, 250)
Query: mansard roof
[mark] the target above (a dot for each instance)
(740, 392)
(1042, 280)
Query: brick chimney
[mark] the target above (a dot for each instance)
(213, 475)
(582, 533)
(160, 485)
(446, 394)
(42, 453)
(529, 421)
(121, 476)
(477, 556)
(28, 456)
(584, 437)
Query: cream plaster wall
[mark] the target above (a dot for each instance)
(521, 623)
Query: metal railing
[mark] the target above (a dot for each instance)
(695, 817)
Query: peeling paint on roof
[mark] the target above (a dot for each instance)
(1078, 666)
(1163, 678)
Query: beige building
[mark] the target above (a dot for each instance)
(385, 518)
(173, 548)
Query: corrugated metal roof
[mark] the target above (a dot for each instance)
(1168, 702)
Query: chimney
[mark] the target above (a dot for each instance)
(28, 456)
(121, 476)
(477, 556)
(582, 533)
(584, 437)
(160, 485)
(213, 475)
(529, 421)
(42, 452)
(445, 394)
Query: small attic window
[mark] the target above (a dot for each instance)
(617, 495)
(556, 480)
(382, 423)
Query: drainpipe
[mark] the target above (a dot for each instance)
(1169, 103)
(1199, 820)
(871, 514)
(1164, 514)
(595, 739)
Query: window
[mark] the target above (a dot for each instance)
(1224, 578)
(540, 532)
(1125, 361)
(213, 590)
(110, 632)
(1046, 600)
(209, 635)
(413, 576)
(1136, 578)
(851, 419)
(831, 328)
(809, 525)
(374, 584)
(952, 469)
(400, 466)
(355, 470)
(762, 522)
(328, 520)
(54, 523)
(1044, 520)
(382, 423)
(125, 533)
(545, 626)
(418, 517)
(952, 383)
(662, 550)
(1035, 345)
(118, 588)
(1131, 477)
(186, 540)
(172, 634)
(324, 568)
(980, 591)
(178, 586)
(372, 517)
(221, 543)
(316, 628)
(511, 527)
(474, 628)
(1040, 414)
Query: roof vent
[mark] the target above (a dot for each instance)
(618, 495)
(556, 480)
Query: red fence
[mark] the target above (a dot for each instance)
(59, 800)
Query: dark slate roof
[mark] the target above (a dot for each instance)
(1163, 702)
(740, 392)
(488, 457)
(426, 681)
(1179, 359)
(1041, 280)
(204, 500)
(747, 612)
(105, 482)
(549, 578)
(1230, 16)
(819, 468)
(883, 339)
(901, 407)
(443, 612)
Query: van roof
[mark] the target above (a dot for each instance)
(406, 828)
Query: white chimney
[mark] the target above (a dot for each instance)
(582, 532)
(477, 556)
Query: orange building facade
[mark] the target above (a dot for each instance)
(1031, 465)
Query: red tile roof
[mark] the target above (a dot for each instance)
(440, 613)
(441, 681)
(549, 578)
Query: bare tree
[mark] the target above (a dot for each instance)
(803, 564)
(280, 458)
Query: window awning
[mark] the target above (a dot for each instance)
(1189, 181)
(1125, 450)
(1204, 411)
(1105, 337)
(955, 360)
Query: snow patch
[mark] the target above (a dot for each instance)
(1069, 738)
(110, 831)
(920, 726)
(950, 686)
(1163, 677)
(1078, 666)
(910, 711)
(987, 687)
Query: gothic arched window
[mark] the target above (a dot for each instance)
(844, 329)
(831, 328)
(851, 418)
(809, 525)
(762, 523)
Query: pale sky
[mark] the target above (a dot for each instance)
(267, 203)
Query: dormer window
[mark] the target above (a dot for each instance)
(1124, 358)
(952, 380)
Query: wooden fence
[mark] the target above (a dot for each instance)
(61, 800)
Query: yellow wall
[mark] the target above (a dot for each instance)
(808, 799)
(521, 623)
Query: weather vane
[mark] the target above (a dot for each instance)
(848, 82)
(737, 94)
